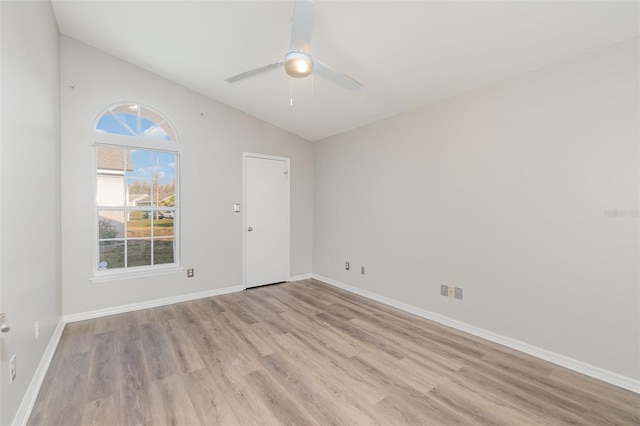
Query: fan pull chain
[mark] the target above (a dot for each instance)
(290, 91)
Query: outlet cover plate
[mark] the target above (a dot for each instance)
(458, 293)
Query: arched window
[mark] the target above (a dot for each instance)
(130, 119)
(137, 200)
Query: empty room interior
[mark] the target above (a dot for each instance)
(319, 212)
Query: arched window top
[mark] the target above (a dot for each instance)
(130, 119)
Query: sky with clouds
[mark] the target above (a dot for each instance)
(147, 163)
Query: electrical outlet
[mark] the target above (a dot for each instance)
(458, 293)
(12, 369)
(452, 291)
(444, 290)
(347, 266)
(37, 329)
(362, 270)
(190, 273)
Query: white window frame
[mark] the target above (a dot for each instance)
(134, 142)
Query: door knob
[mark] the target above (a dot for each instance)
(249, 229)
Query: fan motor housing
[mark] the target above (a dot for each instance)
(298, 64)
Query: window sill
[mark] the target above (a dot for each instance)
(117, 276)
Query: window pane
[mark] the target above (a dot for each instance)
(163, 251)
(112, 159)
(110, 191)
(139, 192)
(152, 116)
(164, 166)
(111, 254)
(138, 252)
(115, 124)
(154, 126)
(171, 135)
(141, 179)
(163, 224)
(161, 128)
(150, 130)
(110, 224)
(131, 109)
(112, 164)
(126, 117)
(138, 224)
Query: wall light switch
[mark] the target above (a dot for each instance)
(236, 207)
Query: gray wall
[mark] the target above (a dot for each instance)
(503, 192)
(210, 179)
(30, 189)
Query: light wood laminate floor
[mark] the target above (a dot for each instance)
(305, 353)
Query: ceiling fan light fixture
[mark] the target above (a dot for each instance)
(298, 64)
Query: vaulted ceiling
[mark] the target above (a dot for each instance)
(407, 54)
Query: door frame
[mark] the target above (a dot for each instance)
(287, 160)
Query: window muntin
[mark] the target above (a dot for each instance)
(136, 191)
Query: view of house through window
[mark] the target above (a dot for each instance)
(135, 197)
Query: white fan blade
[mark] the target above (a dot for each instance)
(338, 78)
(254, 72)
(301, 26)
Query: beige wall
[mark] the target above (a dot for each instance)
(30, 190)
(210, 180)
(503, 192)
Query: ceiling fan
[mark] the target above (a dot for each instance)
(297, 62)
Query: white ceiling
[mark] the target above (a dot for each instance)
(407, 54)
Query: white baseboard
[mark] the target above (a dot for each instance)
(28, 401)
(301, 277)
(559, 359)
(150, 304)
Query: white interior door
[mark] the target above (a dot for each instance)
(266, 231)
